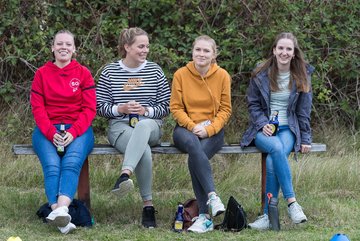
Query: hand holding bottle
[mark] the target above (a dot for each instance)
(267, 130)
(68, 138)
(131, 107)
(200, 131)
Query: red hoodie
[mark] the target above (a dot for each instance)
(63, 95)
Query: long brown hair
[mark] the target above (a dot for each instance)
(297, 66)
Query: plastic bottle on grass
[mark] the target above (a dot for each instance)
(273, 213)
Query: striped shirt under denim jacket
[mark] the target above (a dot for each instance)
(145, 84)
(298, 110)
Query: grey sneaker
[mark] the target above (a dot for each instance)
(59, 217)
(296, 213)
(123, 186)
(261, 223)
(67, 229)
(215, 204)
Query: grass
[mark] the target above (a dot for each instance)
(327, 186)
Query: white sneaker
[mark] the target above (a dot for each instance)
(215, 204)
(261, 223)
(59, 217)
(296, 213)
(67, 229)
(202, 224)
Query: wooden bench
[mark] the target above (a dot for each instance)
(163, 148)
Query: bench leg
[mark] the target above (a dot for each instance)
(84, 185)
(263, 180)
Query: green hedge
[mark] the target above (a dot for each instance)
(328, 32)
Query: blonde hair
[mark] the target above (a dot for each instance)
(63, 31)
(127, 36)
(211, 41)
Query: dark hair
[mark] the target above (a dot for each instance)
(127, 36)
(297, 66)
(212, 42)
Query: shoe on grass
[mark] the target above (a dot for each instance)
(215, 204)
(202, 224)
(148, 217)
(296, 213)
(123, 186)
(67, 229)
(59, 217)
(261, 223)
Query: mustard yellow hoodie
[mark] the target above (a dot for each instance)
(195, 99)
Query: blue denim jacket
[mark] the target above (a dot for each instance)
(298, 110)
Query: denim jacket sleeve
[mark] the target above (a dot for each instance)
(258, 98)
(303, 112)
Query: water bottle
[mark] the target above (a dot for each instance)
(60, 149)
(133, 120)
(179, 219)
(273, 213)
(274, 122)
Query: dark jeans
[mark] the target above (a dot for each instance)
(200, 152)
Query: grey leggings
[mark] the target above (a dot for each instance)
(135, 143)
(200, 152)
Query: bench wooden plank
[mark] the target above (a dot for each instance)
(106, 149)
(163, 148)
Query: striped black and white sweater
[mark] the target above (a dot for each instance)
(119, 84)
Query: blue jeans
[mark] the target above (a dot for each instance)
(200, 152)
(61, 174)
(278, 173)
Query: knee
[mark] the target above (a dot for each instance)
(72, 162)
(52, 170)
(277, 147)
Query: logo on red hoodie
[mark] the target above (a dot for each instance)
(74, 84)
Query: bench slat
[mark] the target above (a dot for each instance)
(106, 149)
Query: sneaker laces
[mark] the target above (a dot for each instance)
(212, 197)
(296, 208)
(261, 217)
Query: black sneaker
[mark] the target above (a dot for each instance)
(123, 186)
(148, 217)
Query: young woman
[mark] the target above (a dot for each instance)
(130, 86)
(62, 92)
(201, 105)
(281, 83)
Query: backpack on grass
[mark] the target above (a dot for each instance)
(235, 217)
(80, 214)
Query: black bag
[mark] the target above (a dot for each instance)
(235, 217)
(80, 214)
